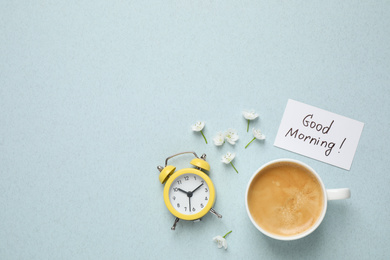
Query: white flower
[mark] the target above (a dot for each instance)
(249, 115)
(221, 241)
(231, 136)
(257, 135)
(198, 127)
(228, 158)
(219, 139)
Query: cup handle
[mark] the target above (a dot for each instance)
(338, 194)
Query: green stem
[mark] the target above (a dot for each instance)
(247, 128)
(203, 136)
(234, 167)
(227, 233)
(250, 142)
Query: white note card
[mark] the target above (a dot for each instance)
(319, 134)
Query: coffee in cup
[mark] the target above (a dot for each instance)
(287, 200)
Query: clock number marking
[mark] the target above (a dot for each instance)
(206, 190)
(179, 182)
(206, 198)
(193, 209)
(186, 178)
(185, 208)
(194, 177)
(178, 205)
(174, 198)
(201, 205)
(175, 189)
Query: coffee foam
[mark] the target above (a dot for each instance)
(285, 199)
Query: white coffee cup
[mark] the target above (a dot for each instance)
(328, 194)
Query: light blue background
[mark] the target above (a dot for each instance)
(95, 94)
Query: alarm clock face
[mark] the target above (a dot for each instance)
(189, 194)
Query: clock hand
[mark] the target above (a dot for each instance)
(197, 188)
(189, 195)
(183, 191)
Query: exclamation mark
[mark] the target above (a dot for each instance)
(341, 145)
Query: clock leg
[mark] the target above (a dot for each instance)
(174, 224)
(215, 213)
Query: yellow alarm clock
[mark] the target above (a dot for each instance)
(189, 193)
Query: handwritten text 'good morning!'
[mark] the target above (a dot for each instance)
(308, 122)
